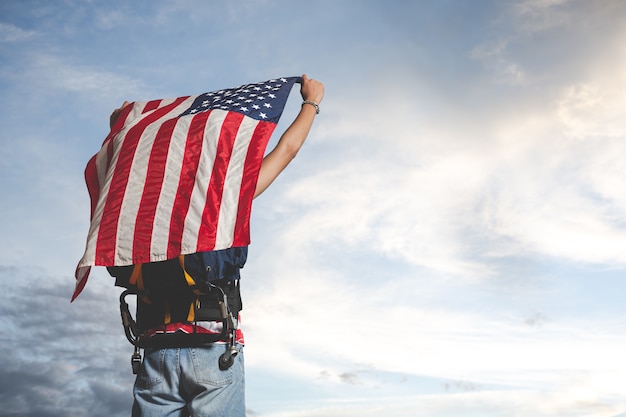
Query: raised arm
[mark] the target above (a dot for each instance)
(291, 141)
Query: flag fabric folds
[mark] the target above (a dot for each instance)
(177, 176)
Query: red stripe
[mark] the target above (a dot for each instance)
(81, 281)
(190, 328)
(91, 171)
(93, 185)
(107, 235)
(151, 192)
(190, 162)
(254, 159)
(120, 121)
(151, 105)
(208, 226)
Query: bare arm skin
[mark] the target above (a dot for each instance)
(292, 140)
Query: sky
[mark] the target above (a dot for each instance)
(451, 239)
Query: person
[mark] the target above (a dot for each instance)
(187, 381)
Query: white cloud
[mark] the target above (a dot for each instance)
(54, 72)
(541, 15)
(497, 404)
(380, 242)
(12, 33)
(307, 325)
(495, 57)
(538, 176)
(110, 19)
(595, 109)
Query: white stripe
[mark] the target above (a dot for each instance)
(212, 131)
(230, 199)
(132, 198)
(105, 175)
(101, 165)
(136, 183)
(173, 166)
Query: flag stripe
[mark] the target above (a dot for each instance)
(96, 169)
(127, 252)
(235, 176)
(151, 105)
(208, 227)
(93, 187)
(152, 188)
(107, 235)
(99, 183)
(189, 167)
(252, 167)
(165, 207)
(192, 223)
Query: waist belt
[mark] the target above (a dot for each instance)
(166, 293)
(136, 335)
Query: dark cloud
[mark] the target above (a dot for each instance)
(61, 359)
(350, 378)
(536, 320)
(462, 386)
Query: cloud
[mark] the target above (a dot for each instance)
(418, 240)
(540, 15)
(61, 359)
(401, 204)
(12, 33)
(494, 56)
(56, 73)
(506, 404)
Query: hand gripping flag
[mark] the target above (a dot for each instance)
(177, 176)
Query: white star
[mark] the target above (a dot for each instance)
(262, 115)
(243, 108)
(268, 105)
(256, 106)
(283, 80)
(271, 96)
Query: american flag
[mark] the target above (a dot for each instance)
(177, 176)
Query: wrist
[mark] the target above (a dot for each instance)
(312, 103)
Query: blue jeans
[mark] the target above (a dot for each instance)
(185, 382)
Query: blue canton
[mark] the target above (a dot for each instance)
(261, 101)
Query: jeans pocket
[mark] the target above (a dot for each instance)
(152, 369)
(206, 366)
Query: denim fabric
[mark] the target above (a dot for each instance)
(187, 382)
